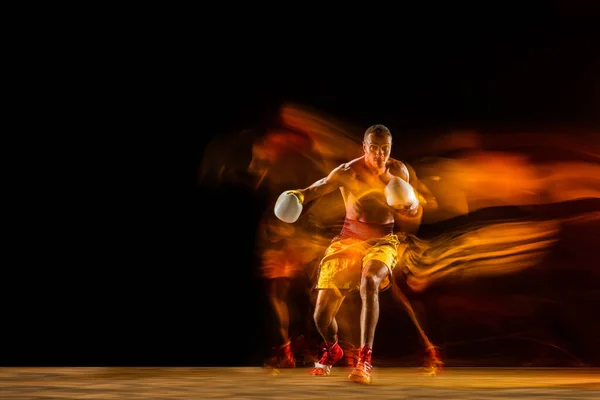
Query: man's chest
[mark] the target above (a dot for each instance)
(366, 188)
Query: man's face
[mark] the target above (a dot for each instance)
(377, 149)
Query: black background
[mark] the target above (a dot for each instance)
(157, 282)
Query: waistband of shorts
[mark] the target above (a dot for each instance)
(353, 229)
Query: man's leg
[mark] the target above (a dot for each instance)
(374, 272)
(327, 305)
(433, 365)
(278, 292)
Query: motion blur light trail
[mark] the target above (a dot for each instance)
(468, 172)
(477, 171)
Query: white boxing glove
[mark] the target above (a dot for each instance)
(289, 206)
(399, 194)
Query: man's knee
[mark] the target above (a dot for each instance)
(369, 284)
(373, 274)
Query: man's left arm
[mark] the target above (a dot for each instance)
(426, 198)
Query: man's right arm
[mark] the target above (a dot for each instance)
(289, 204)
(323, 186)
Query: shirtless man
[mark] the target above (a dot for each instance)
(377, 192)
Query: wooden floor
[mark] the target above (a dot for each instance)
(259, 383)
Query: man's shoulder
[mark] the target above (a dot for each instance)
(398, 168)
(346, 170)
(397, 164)
(349, 165)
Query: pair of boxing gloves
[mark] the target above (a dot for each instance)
(398, 194)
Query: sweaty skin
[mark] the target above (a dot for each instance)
(362, 182)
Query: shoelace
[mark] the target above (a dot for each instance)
(364, 365)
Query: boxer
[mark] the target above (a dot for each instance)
(377, 191)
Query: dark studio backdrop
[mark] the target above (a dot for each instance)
(533, 77)
(187, 291)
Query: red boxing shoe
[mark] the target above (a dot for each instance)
(362, 372)
(331, 354)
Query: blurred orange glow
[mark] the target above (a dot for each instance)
(465, 170)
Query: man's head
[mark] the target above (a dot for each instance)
(377, 145)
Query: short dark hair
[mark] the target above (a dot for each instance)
(379, 130)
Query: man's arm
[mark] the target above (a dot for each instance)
(289, 204)
(400, 194)
(426, 198)
(323, 186)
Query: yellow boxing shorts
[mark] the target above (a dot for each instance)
(343, 262)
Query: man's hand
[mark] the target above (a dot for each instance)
(411, 211)
(401, 196)
(289, 206)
